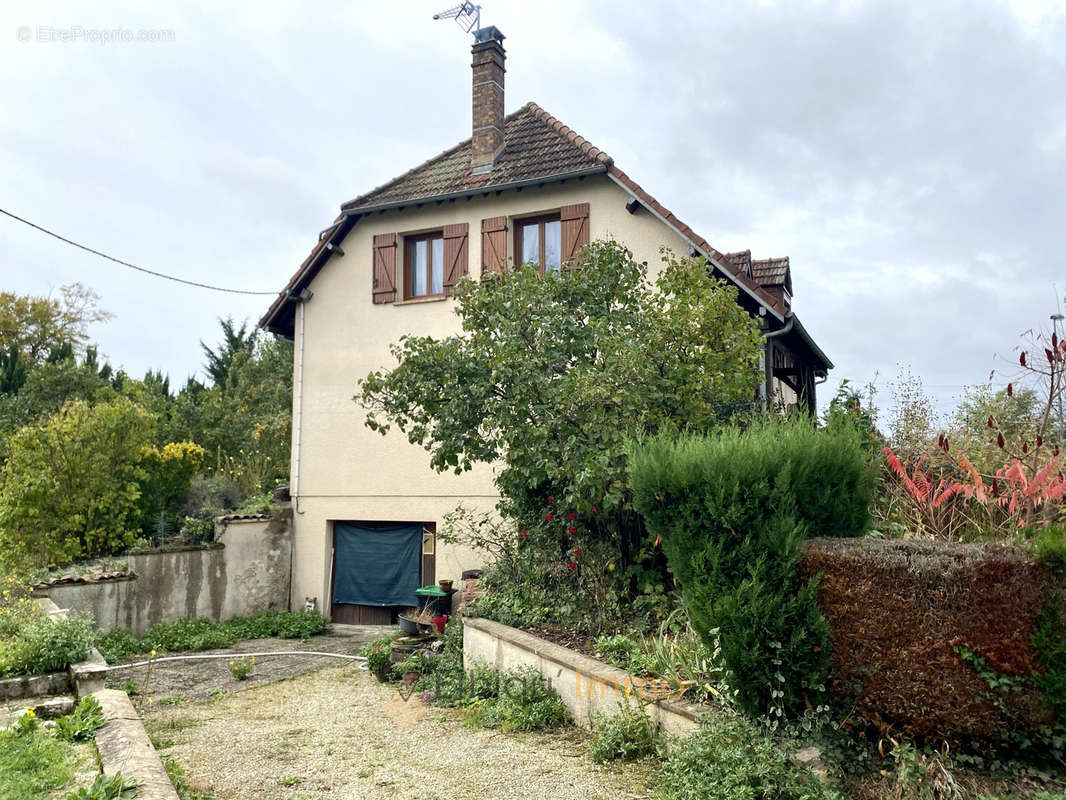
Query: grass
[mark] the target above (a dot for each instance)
(33, 764)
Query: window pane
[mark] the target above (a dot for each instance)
(531, 244)
(438, 267)
(418, 269)
(552, 245)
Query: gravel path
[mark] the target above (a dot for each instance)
(197, 679)
(338, 733)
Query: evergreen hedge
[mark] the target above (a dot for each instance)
(733, 511)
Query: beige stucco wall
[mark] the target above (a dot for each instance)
(247, 573)
(346, 471)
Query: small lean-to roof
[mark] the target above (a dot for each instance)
(539, 148)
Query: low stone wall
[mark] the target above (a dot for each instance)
(586, 685)
(79, 679)
(247, 571)
(124, 747)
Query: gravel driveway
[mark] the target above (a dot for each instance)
(338, 733)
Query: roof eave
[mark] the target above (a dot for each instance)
(348, 209)
(807, 340)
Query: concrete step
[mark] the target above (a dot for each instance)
(44, 707)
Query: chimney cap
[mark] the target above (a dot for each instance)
(488, 34)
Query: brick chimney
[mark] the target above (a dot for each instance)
(488, 141)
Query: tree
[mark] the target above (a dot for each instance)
(245, 421)
(12, 371)
(550, 376)
(235, 341)
(33, 326)
(71, 485)
(1017, 416)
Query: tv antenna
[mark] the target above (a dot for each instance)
(466, 15)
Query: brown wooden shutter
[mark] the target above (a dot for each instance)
(455, 254)
(493, 244)
(385, 268)
(575, 230)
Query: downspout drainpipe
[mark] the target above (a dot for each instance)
(764, 387)
(297, 411)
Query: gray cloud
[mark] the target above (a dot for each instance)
(911, 159)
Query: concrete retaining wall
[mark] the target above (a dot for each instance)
(586, 685)
(248, 572)
(124, 747)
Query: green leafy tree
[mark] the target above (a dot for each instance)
(245, 423)
(71, 485)
(1017, 416)
(551, 374)
(33, 326)
(167, 474)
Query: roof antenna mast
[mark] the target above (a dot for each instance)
(466, 15)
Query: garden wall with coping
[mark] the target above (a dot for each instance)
(957, 642)
(124, 746)
(245, 571)
(586, 685)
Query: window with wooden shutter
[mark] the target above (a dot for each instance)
(493, 244)
(384, 288)
(455, 254)
(575, 230)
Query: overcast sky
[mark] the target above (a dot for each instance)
(909, 157)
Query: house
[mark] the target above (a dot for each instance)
(523, 188)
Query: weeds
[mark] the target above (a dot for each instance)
(202, 634)
(82, 724)
(628, 735)
(107, 787)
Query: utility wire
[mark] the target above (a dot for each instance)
(127, 264)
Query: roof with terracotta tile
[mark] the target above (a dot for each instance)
(741, 260)
(538, 147)
(771, 271)
(535, 150)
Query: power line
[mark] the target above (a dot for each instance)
(128, 264)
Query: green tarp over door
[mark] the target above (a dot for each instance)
(377, 565)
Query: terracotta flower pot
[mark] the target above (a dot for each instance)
(444, 584)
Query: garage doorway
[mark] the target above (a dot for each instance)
(377, 566)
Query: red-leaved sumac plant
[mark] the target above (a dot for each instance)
(955, 501)
(1007, 477)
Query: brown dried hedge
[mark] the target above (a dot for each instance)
(897, 611)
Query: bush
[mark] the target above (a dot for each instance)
(628, 735)
(573, 365)
(71, 485)
(45, 645)
(727, 759)
(376, 654)
(1050, 548)
(943, 641)
(524, 701)
(117, 643)
(733, 511)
